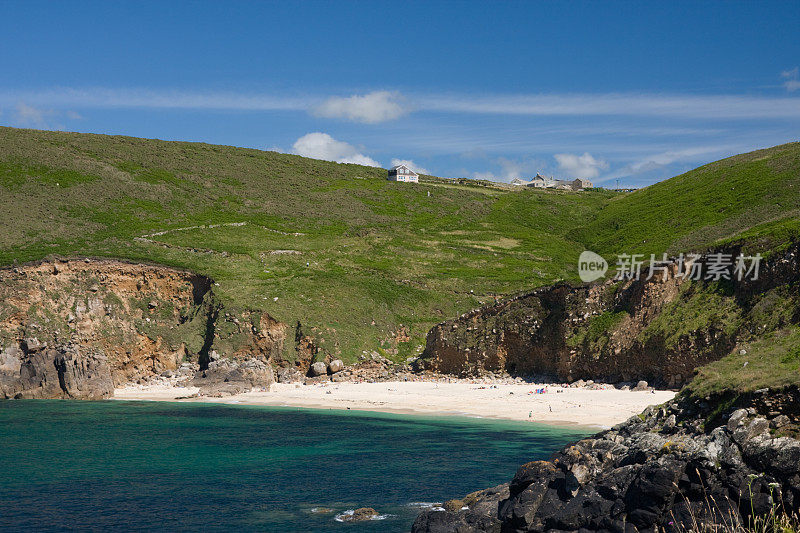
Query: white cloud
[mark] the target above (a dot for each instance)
(102, 97)
(380, 106)
(320, 145)
(665, 158)
(410, 164)
(580, 166)
(663, 161)
(510, 169)
(371, 108)
(617, 104)
(514, 169)
(792, 77)
(27, 116)
(792, 73)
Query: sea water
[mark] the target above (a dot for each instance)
(190, 466)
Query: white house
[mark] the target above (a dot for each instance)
(541, 182)
(403, 173)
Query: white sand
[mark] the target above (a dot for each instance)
(578, 406)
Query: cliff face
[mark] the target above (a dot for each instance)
(676, 466)
(76, 328)
(659, 330)
(35, 371)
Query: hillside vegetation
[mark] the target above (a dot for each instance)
(354, 258)
(754, 195)
(362, 263)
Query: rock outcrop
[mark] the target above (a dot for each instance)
(36, 371)
(107, 321)
(359, 515)
(225, 377)
(144, 318)
(618, 330)
(687, 462)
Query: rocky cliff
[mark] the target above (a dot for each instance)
(686, 463)
(77, 328)
(34, 371)
(657, 329)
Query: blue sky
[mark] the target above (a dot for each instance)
(632, 91)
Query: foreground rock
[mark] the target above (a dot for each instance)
(225, 377)
(677, 464)
(34, 371)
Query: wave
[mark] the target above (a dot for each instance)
(424, 505)
(341, 517)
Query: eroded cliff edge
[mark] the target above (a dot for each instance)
(657, 329)
(78, 328)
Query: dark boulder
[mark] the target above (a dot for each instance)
(461, 522)
(359, 515)
(225, 377)
(668, 470)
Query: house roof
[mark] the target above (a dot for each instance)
(401, 166)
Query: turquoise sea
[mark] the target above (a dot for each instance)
(188, 467)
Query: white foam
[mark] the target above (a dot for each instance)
(423, 505)
(350, 512)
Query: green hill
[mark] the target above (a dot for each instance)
(356, 259)
(756, 194)
(336, 247)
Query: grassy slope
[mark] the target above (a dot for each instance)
(376, 251)
(711, 203)
(752, 199)
(374, 254)
(771, 361)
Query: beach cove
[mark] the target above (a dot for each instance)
(590, 407)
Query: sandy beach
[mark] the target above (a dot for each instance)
(515, 401)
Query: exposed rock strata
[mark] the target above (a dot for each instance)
(111, 322)
(610, 331)
(35, 371)
(682, 462)
(146, 321)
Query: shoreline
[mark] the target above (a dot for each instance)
(593, 409)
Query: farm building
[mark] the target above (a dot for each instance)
(581, 183)
(542, 182)
(402, 173)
